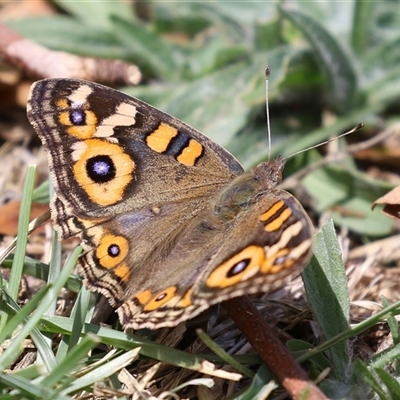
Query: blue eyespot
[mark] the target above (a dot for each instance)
(77, 117)
(101, 169)
(238, 268)
(113, 250)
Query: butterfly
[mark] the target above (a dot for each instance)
(169, 220)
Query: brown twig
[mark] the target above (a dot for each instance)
(265, 342)
(40, 62)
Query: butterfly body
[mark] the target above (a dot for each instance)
(169, 221)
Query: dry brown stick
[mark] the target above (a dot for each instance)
(40, 62)
(265, 342)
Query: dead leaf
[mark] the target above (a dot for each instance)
(392, 203)
(9, 216)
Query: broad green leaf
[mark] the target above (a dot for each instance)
(335, 62)
(211, 104)
(148, 48)
(325, 282)
(361, 33)
(347, 196)
(97, 13)
(67, 34)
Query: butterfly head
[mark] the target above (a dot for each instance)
(268, 174)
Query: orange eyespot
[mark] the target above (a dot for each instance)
(103, 170)
(241, 266)
(112, 250)
(160, 299)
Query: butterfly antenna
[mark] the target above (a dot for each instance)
(356, 128)
(267, 73)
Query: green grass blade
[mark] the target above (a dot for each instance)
(385, 357)
(79, 316)
(30, 327)
(41, 271)
(392, 385)
(104, 371)
(124, 341)
(365, 375)
(392, 322)
(261, 385)
(223, 354)
(41, 193)
(299, 346)
(29, 389)
(71, 361)
(20, 316)
(354, 331)
(22, 239)
(54, 267)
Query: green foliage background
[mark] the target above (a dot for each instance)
(204, 62)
